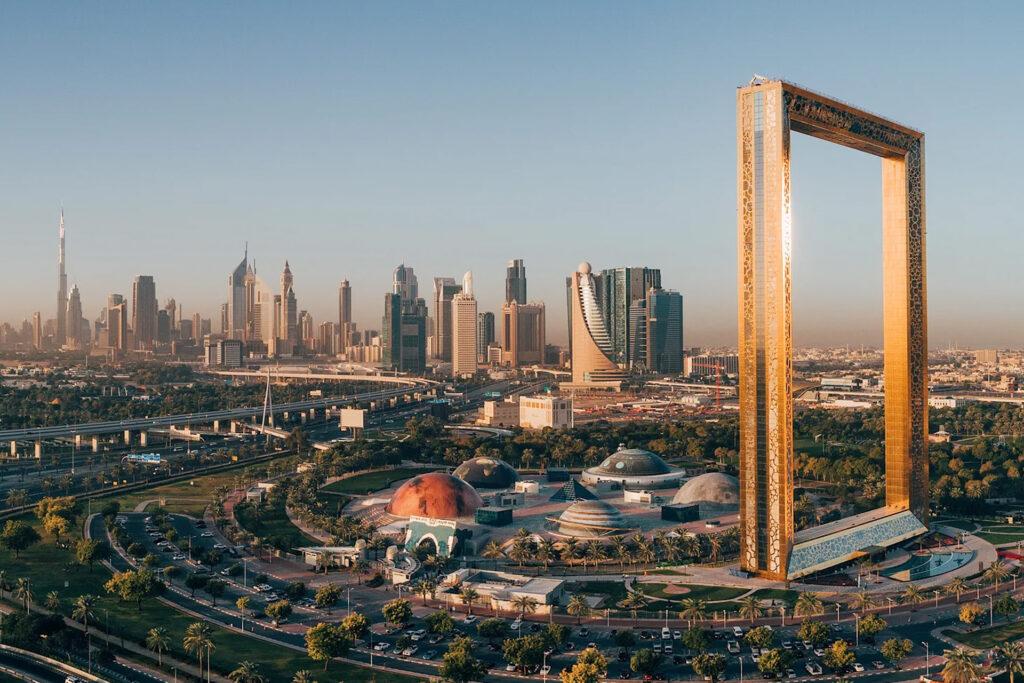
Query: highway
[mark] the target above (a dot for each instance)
(144, 423)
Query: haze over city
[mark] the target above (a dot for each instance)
(349, 139)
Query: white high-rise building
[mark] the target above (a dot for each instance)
(464, 329)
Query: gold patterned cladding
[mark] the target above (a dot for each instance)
(765, 315)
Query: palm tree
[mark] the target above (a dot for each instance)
(635, 601)
(714, 547)
(157, 641)
(493, 551)
(808, 604)
(23, 592)
(862, 601)
(1009, 657)
(996, 572)
(52, 601)
(425, 588)
(524, 603)
(594, 551)
(912, 596)
(694, 610)
(644, 551)
(303, 676)
(198, 641)
(617, 549)
(957, 587)
(4, 585)
(750, 608)
(569, 550)
(547, 551)
(247, 672)
(82, 609)
(520, 549)
(469, 597)
(960, 667)
(578, 607)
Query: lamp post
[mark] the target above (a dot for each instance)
(856, 629)
(927, 658)
(741, 668)
(782, 611)
(837, 612)
(348, 600)
(544, 668)
(890, 605)
(991, 620)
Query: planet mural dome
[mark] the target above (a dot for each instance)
(487, 473)
(435, 495)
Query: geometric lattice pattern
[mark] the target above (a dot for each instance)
(767, 111)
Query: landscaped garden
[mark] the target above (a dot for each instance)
(373, 481)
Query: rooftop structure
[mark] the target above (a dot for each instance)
(435, 495)
(591, 518)
(487, 473)
(634, 467)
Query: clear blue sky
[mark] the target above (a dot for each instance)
(350, 137)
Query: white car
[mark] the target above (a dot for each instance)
(666, 634)
(737, 631)
(857, 666)
(382, 646)
(410, 651)
(545, 670)
(813, 668)
(733, 647)
(470, 618)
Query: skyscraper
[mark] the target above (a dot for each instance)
(73, 320)
(523, 334)
(62, 287)
(664, 331)
(515, 282)
(484, 334)
(617, 289)
(444, 290)
(144, 307)
(344, 315)
(404, 334)
(197, 328)
(464, 330)
(37, 330)
(288, 320)
(236, 306)
(592, 352)
(404, 282)
(117, 323)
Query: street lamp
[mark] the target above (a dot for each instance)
(990, 610)
(837, 612)
(890, 605)
(856, 629)
(544, 668)
(348, 600)
(782, 611)
(927, 658)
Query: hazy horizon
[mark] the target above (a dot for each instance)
(349, 138)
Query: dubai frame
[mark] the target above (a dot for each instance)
(767, 111)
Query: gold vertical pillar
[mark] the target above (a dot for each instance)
(766, 409)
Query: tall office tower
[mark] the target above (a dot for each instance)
(307, 333)
(344, 314)
(197, 328)
(326, 338)
(37, 330)
(73, 320)
(617, 289)
(236, 306)
(404, 282)
(251, 329)
(144, 311)
(523, 334)
(464, 330)
(484, 334)
(664, 331)
(117, 323)
(515, 281)
(404, 334)
(592, 353)
(174, 314)
(62, 287)
(444, 290)
(289, 320)
(163, 327)
(225, 319)
(638, 336)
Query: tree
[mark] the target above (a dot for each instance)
(579, 607)
(195, 581)
(243, 603)
(960, 667)
(247, 672)
(17, 536)
(459, 665)
(814, 632)
(996, 572)
(524, 603)
(555, 634)
(158, 641)
(970, 612)
(590, 667)
(198, 640)
(709, 666)
(524, 651)
(133, 585)
(871, 625)
(56, 526)
(23, 592)
(303, 676)
(1009, 657)
(425, 588)
(469, 597)
(171, 571)
(770, 662)
(808, 605)
(695, 639)
(16, 498)
(896, 649)
(635, 601)
(750, 608)
(52, 601)
(83, 609)
(761, 637)
(912, 596)
(491, 629)
(88, 551)
(838, 656)
(214, 588)
(493, 551)
(625, 639)
(693, 610)
(324, 642)
(327, 596)
(355, 626)
(279, 611)
(1006, 606)
(862, 601)
(957, 587)
(645, 662)
(397, 612)
(442, 623)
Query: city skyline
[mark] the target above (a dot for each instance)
(619, 141)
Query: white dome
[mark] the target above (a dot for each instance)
(584, 268)
(715, 492)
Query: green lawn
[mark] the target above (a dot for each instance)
(614, 591)
(373, 481)
(964, 524)
(989, 637)
(997, 538)
(272, 525)
(778, 594)
(709, 593)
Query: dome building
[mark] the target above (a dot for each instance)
(435, 495)
(487, 473)
(590, 519)
(634, 468)
(715, 493)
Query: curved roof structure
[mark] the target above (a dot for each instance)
(713, 487)
(435, 495)
(589, 518)
(632, 462)
(487, 473)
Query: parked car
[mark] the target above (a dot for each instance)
(813, 668)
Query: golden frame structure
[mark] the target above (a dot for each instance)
(767, 111)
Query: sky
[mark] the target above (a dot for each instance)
(450, 136)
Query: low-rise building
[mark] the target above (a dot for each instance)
(538, 412)
(500, 413)
(501, 588)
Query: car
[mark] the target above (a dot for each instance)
(813, 668)
(435, 639)
(470, 618)
(677, 635)
(429, 654)
(625, 675)
(382, 646)
(592, 644)
(666, 634)
(733, 647)
(819, 652)
(545, 670)
(737, 631)
(787, 645)
(878, 664)
(200, 524)
(206, 534)
(767, 675)
(668, 648)
(180, 556)
(263, 587)
(678, 659)
(219, 546)
(857, 666)
(510, 667)
(225, 572)
(657, 648)
(73, 679)
(755, 658)
(790, 673)
(584, 632)
(569, 646)
(410, 651)
(754, 650)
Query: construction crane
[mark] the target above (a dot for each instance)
(718, 367)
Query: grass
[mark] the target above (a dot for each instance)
(709, 593)
(614, 591)
(989, 637)
(372, 481)
(272, 525)
(963, 524)
(778, 594)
